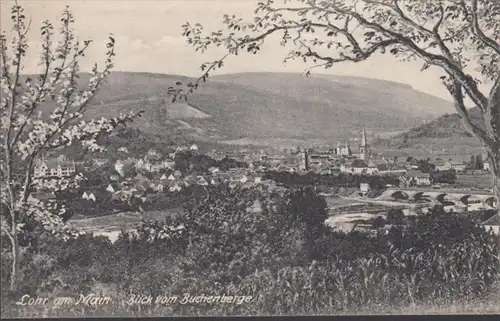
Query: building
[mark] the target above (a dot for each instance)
(60, 167)
(359, 166)
(415, 177)
(456, 165)
(364, 148)
(304, 161)
(493, 225)
(364, 188)
(343, 151)
(412, 163)
(440, 165)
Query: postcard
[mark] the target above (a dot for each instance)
(249, 158)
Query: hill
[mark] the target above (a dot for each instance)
(445, 132)
(265, 107)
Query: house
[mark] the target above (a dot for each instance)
(88, 196)
(202, 181)
(140, 178)
(193, 147)
(168, 164)
(139, 164)
(60, 167)
(493, 225)
(456, 165)
(153, 152)
(110, 188)
(215, 181)
(486, 166)
(213, 170)
(440, 165)
(412, 163)
(123, 150)
(364, 187)
(359, 166)
(419, 178)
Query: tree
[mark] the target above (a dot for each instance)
(479, 161)
(395, 216)
(44, 115)
(454, 36)
(306, 208)
(378, 222)
(472, 163)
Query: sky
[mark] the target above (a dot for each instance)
(148, 39)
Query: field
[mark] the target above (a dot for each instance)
(474, 181)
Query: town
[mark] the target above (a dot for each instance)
(376, 182)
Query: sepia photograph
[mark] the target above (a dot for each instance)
(210, 158)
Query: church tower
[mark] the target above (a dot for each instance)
(337, 149)
(304, 166)
(364, 148)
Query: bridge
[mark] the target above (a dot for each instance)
(472, 200)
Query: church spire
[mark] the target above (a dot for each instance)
(363, 138)
(363, 148)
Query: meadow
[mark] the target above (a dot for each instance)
(474, 181)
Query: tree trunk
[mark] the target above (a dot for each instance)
(16, 260)
(494, 160)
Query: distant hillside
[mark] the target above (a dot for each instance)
(265, 106)
(444, 132)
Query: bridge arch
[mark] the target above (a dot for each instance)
(400, 195)
(491, 201)
(418, 196)
(465, 199)
(440, 198)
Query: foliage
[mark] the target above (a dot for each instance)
(30, 131)
(395, 216)
(220, 247)
(447, 176)
(459, 37)
(339, 180)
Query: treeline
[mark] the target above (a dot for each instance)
(339, 180)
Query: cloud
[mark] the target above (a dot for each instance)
(124, 42)
(169, 40)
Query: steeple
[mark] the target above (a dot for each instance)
(363, 139)
(363, 147)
